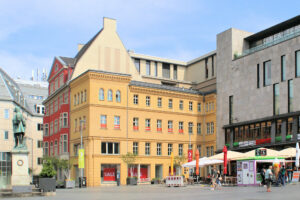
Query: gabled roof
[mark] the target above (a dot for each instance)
(85, 47)
(68, 61)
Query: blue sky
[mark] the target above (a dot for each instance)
(33, 32)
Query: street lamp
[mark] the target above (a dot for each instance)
(81, 147)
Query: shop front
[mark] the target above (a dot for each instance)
(109, 173)
(248, 170)
(142, 172)
(5, 169)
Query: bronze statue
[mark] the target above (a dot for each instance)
(19, 128)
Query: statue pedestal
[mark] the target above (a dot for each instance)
(20, 173)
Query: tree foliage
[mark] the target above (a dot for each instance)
(48, 169)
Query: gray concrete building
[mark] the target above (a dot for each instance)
(258, 87)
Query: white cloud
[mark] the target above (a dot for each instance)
(22, 65)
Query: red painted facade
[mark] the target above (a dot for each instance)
(57, 105)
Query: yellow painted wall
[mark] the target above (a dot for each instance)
(93, 134)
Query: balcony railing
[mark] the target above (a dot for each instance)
(274, 42)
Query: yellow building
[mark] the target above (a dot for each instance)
(150, 120)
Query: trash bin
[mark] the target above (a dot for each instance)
(82, 182)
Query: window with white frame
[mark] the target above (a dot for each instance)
(207, 128)
(147, 100)
(180, 149)
(181, 105)
(56, 126)
(135, 149)
(147, 125)
(170, 126)
(180, 127)
(170, 103)
(159, 125)
(136, 99)
(212, 128)
(110, 148)
(117, 122)
(147, 148)
(55, 148)
(103, 121)
(158, 149)
(46, 148)
(40, 126)
(46, 130)
(199, 128)
(190, 127)
(190, 106)
(109, 95)
(170, 149)
(65, 120)
(118, 96)
(199, 107)
(159, 102)
(101, 94)
(135, 123)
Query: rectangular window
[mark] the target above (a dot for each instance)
(166, 70)
(199, 107)
(136, 99)
(55, 148)
(5, 135)
(297, 60)
(207, 128)
(230, 109)
(170, 126)
(65, 143)
(190, 127)
(267, 73)
(170, 149)
(51, 128)
(207, 151)
(199, 149)
(180, 149)
(39, 126)
(155, 68)
(283, 73)
(258, 76)
(6, 113)
(135, 149)
(190, 106)
(39, 161)
(147, 100)
(290, 95)
(147, 125)
(103, 121)
(159, 125)
(175, 72)
(158, 149)
(137, 64)
(170, 103)
(110, 148)
(212, 128)
(46, 149)
(276, 105)
(180, 126)
(56, 126)
(181, 105)
(148, 72)
(199, 128)
(135, 124)
(46, 130)
(117, 122)
(159, 102)
(147, 148)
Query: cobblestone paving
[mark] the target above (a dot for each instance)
(150, 192)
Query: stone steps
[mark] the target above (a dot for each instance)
(9, 193)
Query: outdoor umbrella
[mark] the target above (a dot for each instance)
(230, 155)
(225, 160)
(297, 155)
(203, 162)
(288, 152)
(197, 162)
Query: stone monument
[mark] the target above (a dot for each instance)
(20, 179)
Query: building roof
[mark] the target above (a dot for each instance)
(154, 58)
(202, 57)
(68, 61)
(85, 47)
(170, 88)
(274, 29)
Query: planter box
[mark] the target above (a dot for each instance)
(69, 184)
(47, 184)
(131, 181)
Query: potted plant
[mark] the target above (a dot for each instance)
(66, 166)
(129, 159)
(47, 182)
(155, 181)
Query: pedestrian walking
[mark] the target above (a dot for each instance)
(219, 179)
(282, 175)
(269, 175)
(263, 176)
(289, 172)
(213, 179)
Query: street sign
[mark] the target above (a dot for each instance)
(296, 176)
(81, 158)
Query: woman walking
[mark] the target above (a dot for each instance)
(268, 177)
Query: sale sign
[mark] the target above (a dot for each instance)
(109, 174)
(190, 155)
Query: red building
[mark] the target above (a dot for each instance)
(57, 105)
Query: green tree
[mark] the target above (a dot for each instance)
(129, 159)
(48, 169)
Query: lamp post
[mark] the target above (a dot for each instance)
(81, 147)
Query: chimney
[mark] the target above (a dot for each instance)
(79, 47)
(109, 24)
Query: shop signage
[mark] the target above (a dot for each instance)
(296, 175)
(109, 174)
(190, 155)
(260, 152)
(81, 158)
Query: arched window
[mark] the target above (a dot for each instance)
(101, 94)
(118, 96)
(109, 95)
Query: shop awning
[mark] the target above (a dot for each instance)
(203, 162)
(288, 153)
(270, 152)
(231, 155)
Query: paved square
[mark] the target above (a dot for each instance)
(151, 192)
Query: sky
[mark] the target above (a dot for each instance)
(33, 32)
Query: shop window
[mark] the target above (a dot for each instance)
(109, 172)
(289, 126)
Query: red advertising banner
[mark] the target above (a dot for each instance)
(190, 155)
(109, 174)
